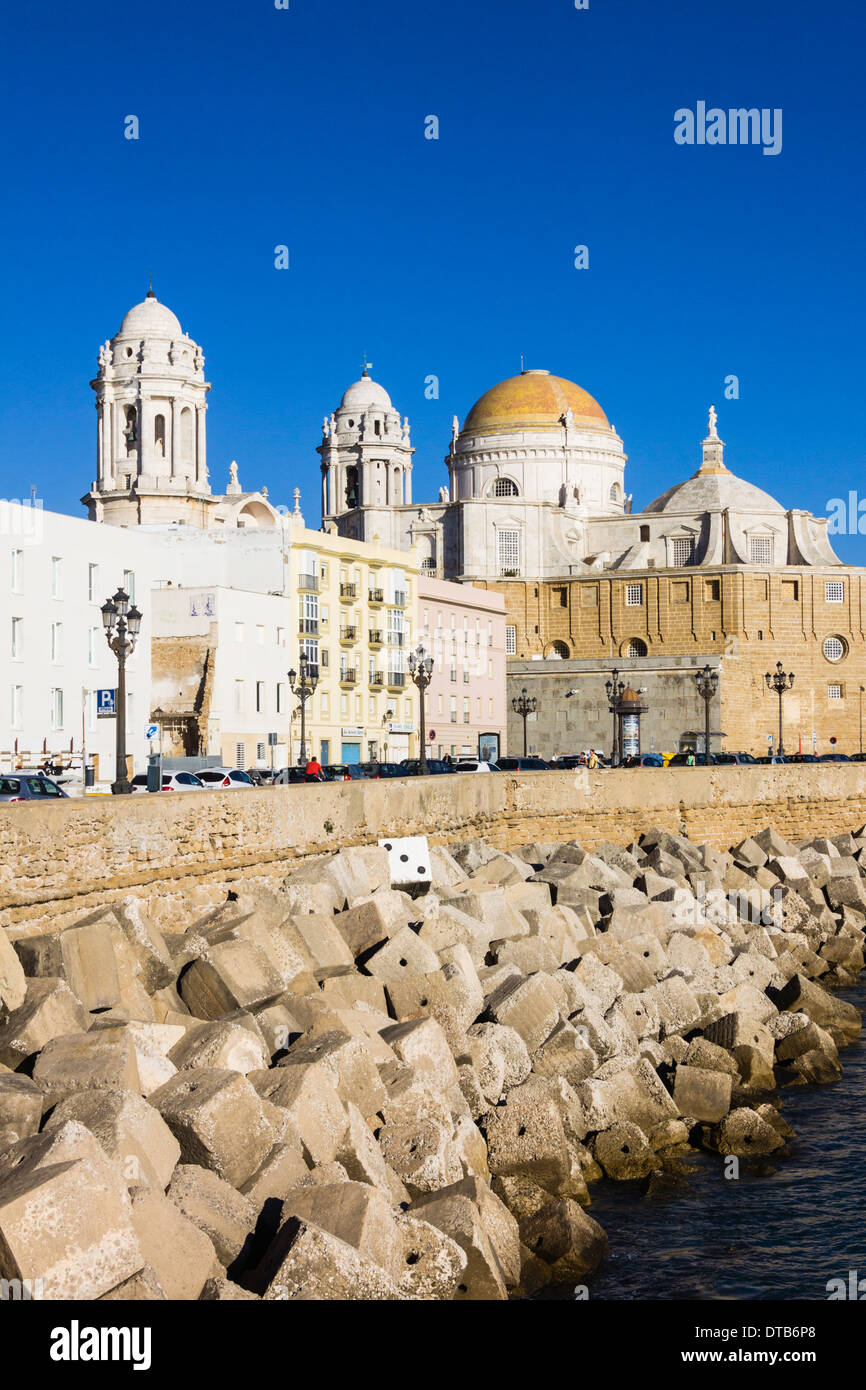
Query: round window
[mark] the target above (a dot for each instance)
(834, 648)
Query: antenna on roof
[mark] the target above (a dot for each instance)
(365, 365)
(150, 293)
(521, 364)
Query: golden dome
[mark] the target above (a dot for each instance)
(535, 400)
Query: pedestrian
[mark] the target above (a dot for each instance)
(313, 770)
(690, 760)
(592, 761)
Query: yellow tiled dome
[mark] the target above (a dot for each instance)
(534, 400)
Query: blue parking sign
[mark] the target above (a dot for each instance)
(106, 704)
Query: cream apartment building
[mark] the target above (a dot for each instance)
(463, 629)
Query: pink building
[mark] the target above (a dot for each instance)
(463, 629)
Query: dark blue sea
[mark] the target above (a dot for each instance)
(781, 1231)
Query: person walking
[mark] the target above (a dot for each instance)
(592, 761)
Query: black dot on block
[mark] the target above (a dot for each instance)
(422, 871)
(404, 859)
(389, 847)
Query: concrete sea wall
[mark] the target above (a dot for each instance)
(61, 859)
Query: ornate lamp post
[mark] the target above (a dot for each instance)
(778, 681)
(524, 705)
(122, 625)
(707, 682)
(421, 671)
(302, 687)
(614, 687)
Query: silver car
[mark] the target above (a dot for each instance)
(29, 786)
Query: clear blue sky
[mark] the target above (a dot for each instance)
(452, 257)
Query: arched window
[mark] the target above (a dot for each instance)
(615, 493)
(559, 651)
(504, 487)
(186, 435)
(130, 430)
(159, 436)
(636, 647)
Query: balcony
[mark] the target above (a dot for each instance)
(377, 596)
(396, 680)
(348, 592)
(348, 677)
(377, 678)
(375, 637)
(308, 583)
(348, 634)
(309, 626)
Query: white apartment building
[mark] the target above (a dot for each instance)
(55, 574)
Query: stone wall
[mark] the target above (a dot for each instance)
(57, 861)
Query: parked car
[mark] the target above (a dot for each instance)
(344, 772)
(523, 765)
(289, 776)
(376, 770)
(856, 758)
(834, 758)
(171, 782)
(801, 758)
(261, 776)
(772, 758)
(411, 767)
(474, 765)
(224, 777)
(727, 759)
(29, 787)
(644, 760)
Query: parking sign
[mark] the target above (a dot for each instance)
(106, 704)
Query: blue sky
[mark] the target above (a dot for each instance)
(260, 127)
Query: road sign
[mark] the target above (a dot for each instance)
(272, 740)
(152, 731)
(106, 701)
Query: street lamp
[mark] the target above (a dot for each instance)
(524, 705)
(421, 671)
(302, 687)
(122, 625)
(781, 683)
(614, 687)
(707, 682)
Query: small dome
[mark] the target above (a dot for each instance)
(715, 492)
(366, 394)
(534, 400)
(150, 319)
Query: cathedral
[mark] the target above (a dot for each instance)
(715, 571)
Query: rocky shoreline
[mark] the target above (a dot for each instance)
(343, 1090)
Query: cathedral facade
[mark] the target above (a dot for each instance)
(714, 571)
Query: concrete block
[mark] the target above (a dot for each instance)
(624, 1153)
(224, 1045)
(50, 1010)
(702, 1094)
(21, 1102)
(218, 1120)
(70, 1226)
(422, 1154)
(226, 1217)
(102, 1058)
(306, 1262)
(236, 975)
(433, 1263)
(355, 1213)
(311, 1098)
(180, 1255)
(526, 1137)
(319, 944)
(567, 1239)
(348, 1064)
(634, 1095)
(13, 982)
(529, 1006)
(130, 1132)
(421, 1043)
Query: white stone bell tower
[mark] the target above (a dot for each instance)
(151, 403)
(366, 465)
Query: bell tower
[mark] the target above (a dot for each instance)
(151, 458)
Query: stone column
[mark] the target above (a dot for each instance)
(200, 445)
(145, 436)
(407, 484)
(175, 438)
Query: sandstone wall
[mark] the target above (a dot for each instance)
(59, 860)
